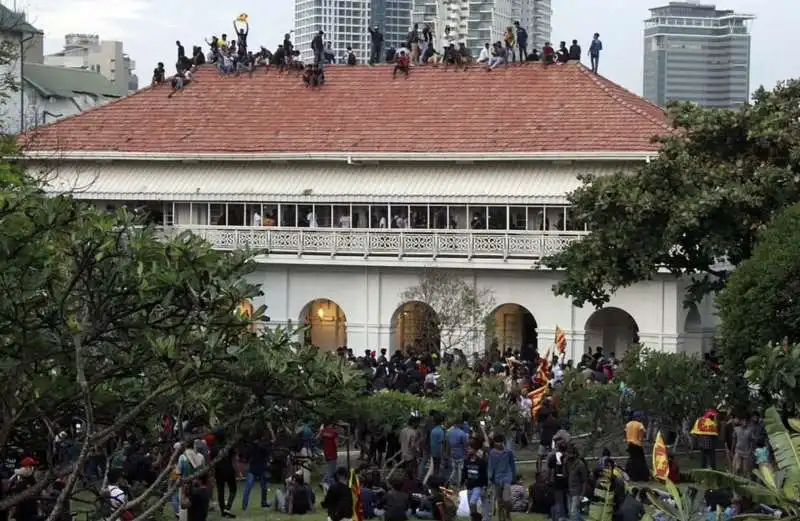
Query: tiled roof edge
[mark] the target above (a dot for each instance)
(610, 92)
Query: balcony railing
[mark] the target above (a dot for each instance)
(386, 243)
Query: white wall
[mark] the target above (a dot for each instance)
(369, 297)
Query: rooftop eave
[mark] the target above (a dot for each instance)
(351, 157)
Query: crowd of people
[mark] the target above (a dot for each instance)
(431, 468)
(235, 56)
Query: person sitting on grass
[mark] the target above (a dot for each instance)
(298, 498)
(338, 500)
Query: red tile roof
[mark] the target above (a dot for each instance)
(522, 108)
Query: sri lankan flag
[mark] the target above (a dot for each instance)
(561, 341)
(542, 375)
(355, 488)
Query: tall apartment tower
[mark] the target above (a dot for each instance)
(698, 53)
(477, 22)
(346, 23)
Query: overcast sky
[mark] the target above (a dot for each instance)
(149, 29)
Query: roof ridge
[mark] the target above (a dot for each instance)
(602, 82)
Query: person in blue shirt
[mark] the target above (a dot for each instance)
(437, 440)
(502, 469)
(457, 441)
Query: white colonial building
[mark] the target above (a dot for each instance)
(348, 204)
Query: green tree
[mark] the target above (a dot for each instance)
(594, 411)
(759, 304)
(105, 320)
(774, 371)
(669, 387)
(718, 179)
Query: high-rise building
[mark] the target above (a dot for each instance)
(88, 52)
(477, 22)
(346, 23)
(698, 53)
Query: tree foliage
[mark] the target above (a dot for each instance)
(106, 321)
(759, 304)
(718, 179)
(463, 311)
(774, 371)
(593, 410)
(669, 387)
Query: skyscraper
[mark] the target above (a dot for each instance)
(346, 23)
(695, 52)
(477, 22)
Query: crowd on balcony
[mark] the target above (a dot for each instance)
(234, 56)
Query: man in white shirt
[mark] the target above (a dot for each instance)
(485, 54)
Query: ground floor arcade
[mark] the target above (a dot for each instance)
(361, 307)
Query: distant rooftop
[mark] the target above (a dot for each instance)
(65, 82)
(11, 22)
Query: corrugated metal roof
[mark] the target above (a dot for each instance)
(66, 82)
(500, 184)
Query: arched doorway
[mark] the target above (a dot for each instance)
(613, 329)
(328, 324)
(416, 329)
(513, 327)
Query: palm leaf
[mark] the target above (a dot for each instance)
(785, 445)
(603, 510)
(714, 479)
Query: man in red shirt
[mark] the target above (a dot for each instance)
(402, 62)
(330, 441)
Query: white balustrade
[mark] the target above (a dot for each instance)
(385, 243)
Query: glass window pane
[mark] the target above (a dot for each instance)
(458, 218)
(477, 217)
(360, 217)
(418, 218)
(438, 217)
(270, 215)
(518, 216)
(536, 218)
(200, 214)
(323, 214)
(183, 214)
(288, 213)
(253, 215)
(497, 217)
(380, 216)
(555, 219)
(218, 215)
(399, 216)
(235, 214)
(306, 216)
(341, 216)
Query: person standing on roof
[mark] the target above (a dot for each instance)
(522, 41)
(376, 45)
(594, 51)
(318, 46)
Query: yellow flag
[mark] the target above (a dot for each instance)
(660, 460)
(242, 18)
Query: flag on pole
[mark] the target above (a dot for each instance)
(543, 372)
(561, 341)
(660, 459)
(355, 489)
(242, 18)
(542, 377)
